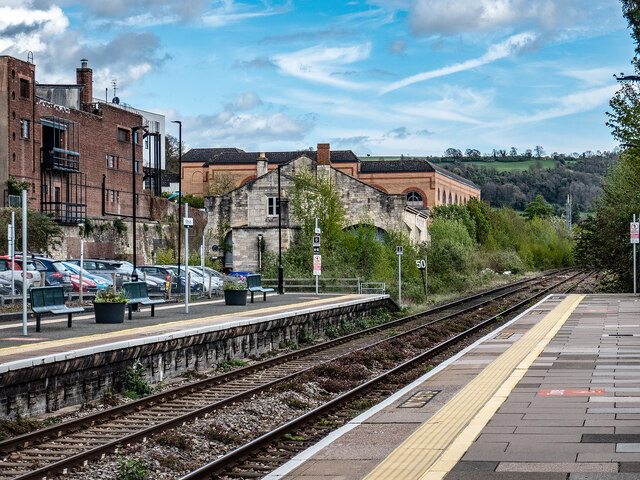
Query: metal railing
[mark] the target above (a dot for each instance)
(372, 287)
(326, 285)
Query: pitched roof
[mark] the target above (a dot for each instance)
(236, 156)
(410, 165)
(204, 154)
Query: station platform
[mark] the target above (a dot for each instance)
(55, 341)
(553, 394)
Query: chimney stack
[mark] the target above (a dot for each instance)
(324, 154)
(262, 165)
(84, 76)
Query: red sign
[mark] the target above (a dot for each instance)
(570, 392)
(317, 264)
(635, 232)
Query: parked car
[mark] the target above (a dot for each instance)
(101, 282)
(104, 269)
(57, 274)
(164, 273)
(5, 286)
(195, 286)
(217, 278)
(32, 277)
(155, 283)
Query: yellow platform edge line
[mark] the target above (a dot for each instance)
(453, 428)
(172, 324)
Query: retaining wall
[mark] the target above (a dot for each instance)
(81, 376)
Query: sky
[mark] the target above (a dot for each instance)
(379, 77)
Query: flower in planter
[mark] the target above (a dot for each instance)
(240, 284)
(110, 296)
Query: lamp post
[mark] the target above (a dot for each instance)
(134, 275)
(280, 267)
(179, 185)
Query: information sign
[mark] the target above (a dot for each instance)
(399, 250)
(316, 249)
(635, 232)
(316, 240)
(187, 222)
(317, 265)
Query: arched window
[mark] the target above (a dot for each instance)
(444, 197)
(465, 200)
(438, 195)
(456, 199)
(414, 199)
(450, 198)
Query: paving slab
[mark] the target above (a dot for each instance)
(573, 413)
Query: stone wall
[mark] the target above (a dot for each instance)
(47, 387)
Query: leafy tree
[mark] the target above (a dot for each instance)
(15, 187)
(539, 151)
(221, 183)
(472, 153)
(538, 208)
(172, 153)
(453, 153)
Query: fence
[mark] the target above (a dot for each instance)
(326, 285)
(372, 287)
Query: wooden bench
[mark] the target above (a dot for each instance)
(50, 300)
(254, 284)
(138, 294)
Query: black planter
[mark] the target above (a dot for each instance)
(235, 297)
(109, 312)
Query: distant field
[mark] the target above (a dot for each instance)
(499, 166)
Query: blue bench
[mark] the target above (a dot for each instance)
(254, 284)
(138, 294)
(50, 300)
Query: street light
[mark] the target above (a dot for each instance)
(134, 275)
(179, 186)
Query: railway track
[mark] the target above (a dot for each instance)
(264, 454)
(61, 447)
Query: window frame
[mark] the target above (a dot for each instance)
(273, 207)
(24, 128)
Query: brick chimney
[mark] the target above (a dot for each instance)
(262, 165)
(324, 154)
(84, 76)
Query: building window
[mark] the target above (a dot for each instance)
(113, 196)
(414, 199)
(137, 200)
(123, 135)
(273, 207)
(438, 195)
(456, 199)
(106, 160)
(24, 128)
(136, 166)
(444, 197)
(24, 88)
(146, 143)
(450, 198)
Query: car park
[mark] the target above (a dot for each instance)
(195, 286)
(56, 274)
(32, 277)
(102, 283)
(104, 268)
(217, 279)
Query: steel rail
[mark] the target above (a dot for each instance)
(234, 457)
(53, 431)
(83, 457)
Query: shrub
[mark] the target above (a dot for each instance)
(134, 384)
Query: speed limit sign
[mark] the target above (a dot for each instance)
(421, 264)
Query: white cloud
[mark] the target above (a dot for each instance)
(455, 16)
(23, 29)
(578, 102)
(323, 64)
(592, 76)
(247, 101)
(495, 52)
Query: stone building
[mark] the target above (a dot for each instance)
(251, 211)
(423, 183)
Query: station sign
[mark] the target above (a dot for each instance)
(635, 232)
(317, 264)
(316, 240)
(316, 249)
(187, 222)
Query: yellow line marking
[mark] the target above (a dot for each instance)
(167, 327)
(432, 450)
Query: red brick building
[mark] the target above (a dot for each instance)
(75, 153)
(423, 183)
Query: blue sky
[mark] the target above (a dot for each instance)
(384, 77)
